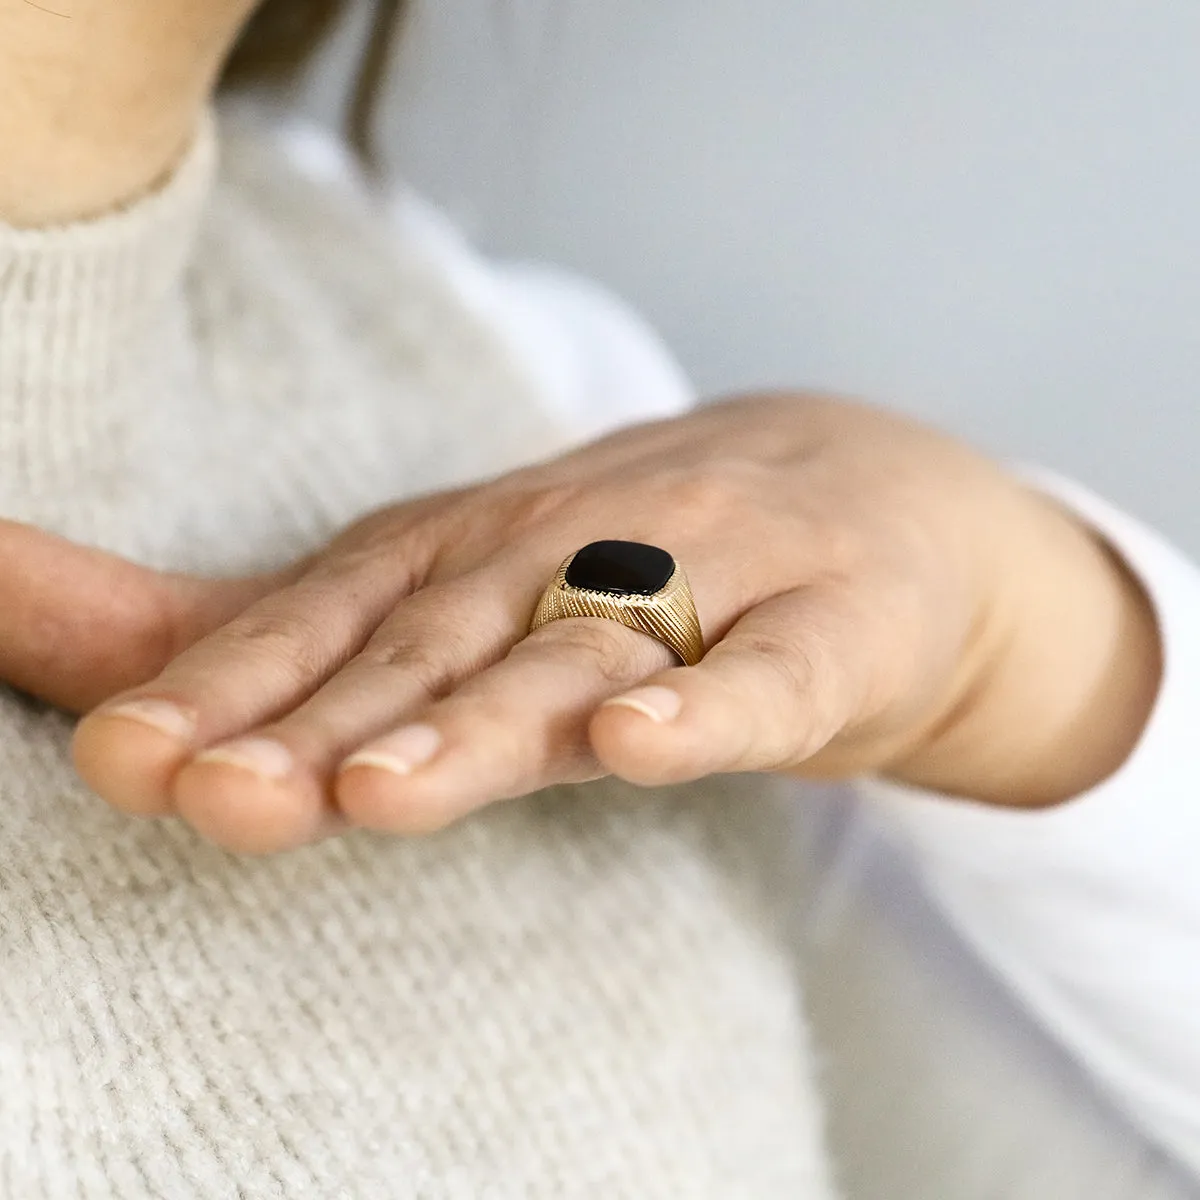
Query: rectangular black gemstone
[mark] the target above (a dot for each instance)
(625, 568)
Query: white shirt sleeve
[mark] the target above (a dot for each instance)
(1090, 911)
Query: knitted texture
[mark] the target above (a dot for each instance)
(581, 994)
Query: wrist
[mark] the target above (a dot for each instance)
(1062, 675)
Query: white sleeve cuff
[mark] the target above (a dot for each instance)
(1090, 910)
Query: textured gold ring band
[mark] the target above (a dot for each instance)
(639, 586)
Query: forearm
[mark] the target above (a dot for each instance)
(100, 98)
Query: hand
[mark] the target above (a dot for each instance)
(875, 598)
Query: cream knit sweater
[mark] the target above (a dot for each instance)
(584, 994)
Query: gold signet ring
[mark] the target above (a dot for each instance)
(640, 586)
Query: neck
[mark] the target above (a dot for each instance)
(101, 97)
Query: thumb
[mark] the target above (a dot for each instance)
(78, 625)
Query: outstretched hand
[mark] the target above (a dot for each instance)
(874, 598)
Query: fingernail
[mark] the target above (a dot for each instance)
(402, 753)
(157, 714)
(658, 703)
(267, 759)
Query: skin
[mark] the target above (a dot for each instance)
(101, 97)
(875, 597)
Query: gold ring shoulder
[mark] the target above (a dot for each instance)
(669, 615)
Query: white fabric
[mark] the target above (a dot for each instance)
(1088, 913)
(598, 364)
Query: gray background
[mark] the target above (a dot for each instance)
(987, 214)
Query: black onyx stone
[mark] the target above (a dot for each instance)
(626, 568)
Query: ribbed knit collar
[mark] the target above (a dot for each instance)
(77, 304)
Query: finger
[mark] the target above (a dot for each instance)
(264, 662)
(519, 726)
(272, 788)
(80, 625)
(775, 691)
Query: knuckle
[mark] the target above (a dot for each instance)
(428, 665)
(533, 509)
(805, 670)
(379, 530)
(439, 640)
(792, 664)
(715, 489)
(399, 545)
(841, 547)
(348, 567)
(288, 641)
(474, 525)
(606, 646)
